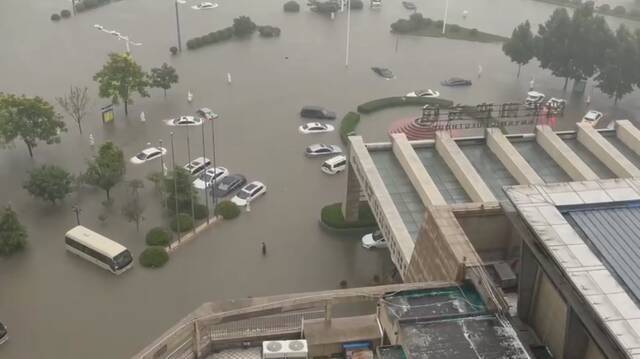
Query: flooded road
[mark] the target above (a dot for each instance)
(58, 306)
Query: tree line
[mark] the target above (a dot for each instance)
(579, 47)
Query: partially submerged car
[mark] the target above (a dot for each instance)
(456, 81)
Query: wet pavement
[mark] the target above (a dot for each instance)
(58, 306)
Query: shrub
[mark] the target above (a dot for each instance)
(426, 22)
(158, 237)
(634, 12)
(388, 102)
(55, 17)
(191, 44)
(269, 31)
(331, 216)
(200, 211)
(80, 7)
(173, 50)
(153, 257)
(403, 26)
(604, 8)
(291, 6)
(416, 18)
(185, 222)
(473, 32)
(619, 10)
(348, 125)
(90, 4)
(438, 23)
(227, 209)
(326, 7)
(356, 4)
(243, 26)
(454, 28)
(65, 13)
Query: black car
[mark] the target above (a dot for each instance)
(383, 72)
(4, 335)
(229, 185)
(317, 112)
(409, 5)
(456, 81)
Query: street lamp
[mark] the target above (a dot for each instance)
(77, 211)
(178, 24)
(346, 62)
(444, 22)
(127, 41)
(175, 185)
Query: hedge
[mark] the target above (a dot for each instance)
(153, 257)
(269, 31)
(227, 209)
(291, 6)
(348, 125)
(55, 17)
(65, 14)
(332, 217)
(210, 38)
(356, 4)
(200, 211)
(185, 221)
(388, 102)
(158, 236)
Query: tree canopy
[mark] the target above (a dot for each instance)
(619, 72)
(119, 78)
(13, 235)
(31, 119)
(185, 192)
(50, 183)
(132, 209)
(520, 47)
(163, 76)
(106, 169)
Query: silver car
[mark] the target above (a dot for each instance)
(319, 149)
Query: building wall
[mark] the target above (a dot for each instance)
(593, 352)
(491, 235)
(548, 316)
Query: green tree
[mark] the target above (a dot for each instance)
(243, 26)
(32, 119)
(75, 104)
(133, 208)
(520, 47)
(185, 192)
(50, 183)
(13, 235)
(552, 45)
(589, 38)
(620, 69)
(119, 78)
(162, 77)
(106, 169)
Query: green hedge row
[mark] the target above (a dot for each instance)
(269, 31)
(154, 257)
(210, 38)
(388, 102)
(348, 125)
(332, 217)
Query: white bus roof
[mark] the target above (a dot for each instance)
(95, 241)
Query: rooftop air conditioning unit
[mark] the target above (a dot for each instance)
(274, 349)
(296, 348)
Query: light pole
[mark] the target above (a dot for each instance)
(77, 211)
(178, 24)
(127, 41)
(206, 188)
(175, 185)
(213, 147)
(444, 22)
(162, 198)
(346, 62)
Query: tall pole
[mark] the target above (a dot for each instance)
(77, 210)
(193, 209)
(162, 197)
(175, 184)
(444, 22)
(206, 188)
(178, 27)
(346, 62)
(213, 147)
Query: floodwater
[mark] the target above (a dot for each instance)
(58, 306)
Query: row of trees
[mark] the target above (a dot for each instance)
(121, 77)
(579, 47)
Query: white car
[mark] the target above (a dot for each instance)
(374, 240)
(148, 154)
(205, 6)
(207, 114)
(249, 193)
(198, 165)
(210, 177)
(334, 165)
(423, 93)
(319, 149)
(315, 127)
(592, 117)
(534, 98)
(185, 121)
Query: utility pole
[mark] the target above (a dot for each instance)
(175, 185)
(178, 27)
(206, 188)
(77, 211)
(444, 22)
(346, 62)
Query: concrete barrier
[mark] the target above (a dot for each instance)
(463, 169)
(511, 159)
(562, 154)
(418, 175)
(628, 134)
(606, 152)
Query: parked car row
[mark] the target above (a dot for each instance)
(334, 164)
(202, 114)
(535, 98)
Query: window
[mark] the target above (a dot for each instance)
(90, 252)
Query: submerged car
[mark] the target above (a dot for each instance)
(249, 193)
(374, 240)
(334, 165)
(148, 154)
(423, 93)
(315, 127)
(228, 185)
(319, 149)
(210, 177)
(204, 6)
(317, 112)
(456, 81)
(556, 104)
(207, 114)
(592, 117)
(383, 71)
(185, 121)
(198, 165)
(4, 333)
(534, 98)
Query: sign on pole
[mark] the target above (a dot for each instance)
(107, 113)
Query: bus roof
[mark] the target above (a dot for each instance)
(95, 241)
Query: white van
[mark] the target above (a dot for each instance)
(334, 165)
